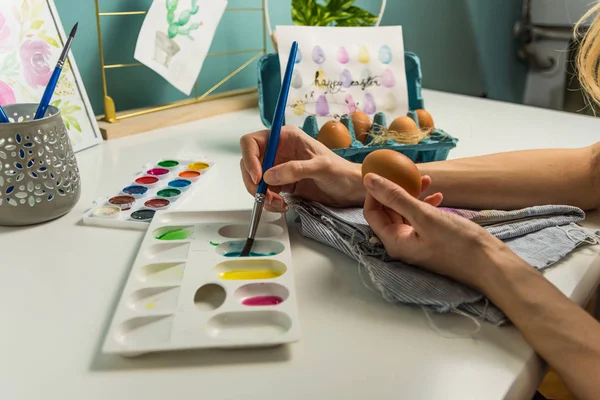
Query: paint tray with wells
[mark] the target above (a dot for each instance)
(434, 147)
(189, 289)
(160, 185)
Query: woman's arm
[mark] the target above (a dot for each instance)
(558, 330)
(519, 179)
(562, 333)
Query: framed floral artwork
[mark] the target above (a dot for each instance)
(31, 40)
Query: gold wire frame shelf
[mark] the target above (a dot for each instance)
(110, 112)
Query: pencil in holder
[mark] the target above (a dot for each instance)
(39, 176)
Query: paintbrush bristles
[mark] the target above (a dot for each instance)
(247, 248)
(74, 30)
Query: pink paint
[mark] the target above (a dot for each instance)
(158, 171)
(262, 301)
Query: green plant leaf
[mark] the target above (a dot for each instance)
(37, 9)
(172, 4)
(333, 13)
(338, 5)
(49, 40)
(67, 124)
(73, 121)
(25, 9)
(359, 17)
(76, 125)
(184, 18)
(56, 103)
(70, 109)
(10, 66)
(304, 12)
(37, 24)
(17, 14)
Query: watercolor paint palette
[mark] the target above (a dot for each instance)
(189, 289)
(159, 186)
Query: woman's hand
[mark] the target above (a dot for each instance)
(303, 167)
(441, 242)
(306, 168)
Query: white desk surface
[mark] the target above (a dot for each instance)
(60, 281)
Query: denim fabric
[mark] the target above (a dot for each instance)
(536, 234)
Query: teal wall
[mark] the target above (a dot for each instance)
(493, 26)
(439, 31)
(458, 48)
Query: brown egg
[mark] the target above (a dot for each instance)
(404, 125)
(334, 135)
(425, 119)
(362, 125)
(395, 167)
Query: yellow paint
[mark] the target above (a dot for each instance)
(249, 275)
(198, 166)
(363, 55)
(298, 107)
(150, 305)
(320, 79)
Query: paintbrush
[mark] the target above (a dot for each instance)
(43, 106)
(3, 116)
(269, 160)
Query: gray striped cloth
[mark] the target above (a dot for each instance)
(540, 235)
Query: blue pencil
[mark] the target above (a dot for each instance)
(3, 116)
(41, 110)
(269, 160)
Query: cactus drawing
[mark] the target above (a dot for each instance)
(165, 47)
(178, 27)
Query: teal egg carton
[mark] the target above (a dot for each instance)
(435, 147)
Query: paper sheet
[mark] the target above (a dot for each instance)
(175, 38)
(341, 69)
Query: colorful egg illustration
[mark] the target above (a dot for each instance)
(298, 107)
(298, 56)
(365, 75)
(369, 106)
(318, 55)
(320, 79)
(385, 54)
(389, 103)
(351, 104)
(346, 78)
(387, 78)
(322, 106)
(342, 55)
(296, 80)
(363, 55)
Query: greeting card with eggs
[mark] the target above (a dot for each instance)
(340, 70)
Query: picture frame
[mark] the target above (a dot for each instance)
(31, 39)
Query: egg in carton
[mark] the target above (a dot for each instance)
(362, 141)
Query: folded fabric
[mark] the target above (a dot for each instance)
(540, 235)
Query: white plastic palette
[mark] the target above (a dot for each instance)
(159, 186)
(187, 289)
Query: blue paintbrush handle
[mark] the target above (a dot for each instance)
(41, 110)
(269, 159)
(3, 116)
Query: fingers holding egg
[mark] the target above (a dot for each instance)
(395, 167)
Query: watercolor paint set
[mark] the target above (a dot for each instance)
(159, 186)
(189, 289)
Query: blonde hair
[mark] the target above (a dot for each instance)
(588, 58)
